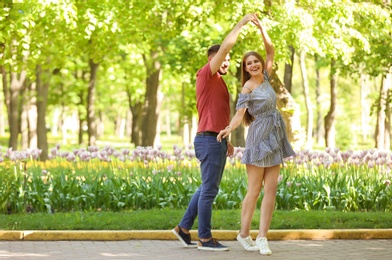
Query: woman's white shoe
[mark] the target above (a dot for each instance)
(247, 243)
(262, 243)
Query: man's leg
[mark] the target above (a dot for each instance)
(191, 212)
(212, 166)
(187, 221)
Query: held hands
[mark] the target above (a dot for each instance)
(247, 18)
(252, 18)
(256, 22)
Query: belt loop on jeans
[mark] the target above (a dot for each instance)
(207, 133)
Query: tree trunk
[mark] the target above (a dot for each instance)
(5, 85)
(63, 125)
(2, 118)
(381, 114)
(157, 139)
(387, 134)
(192, 129)
(14, 107)
(387, 140)
(128, 123)
(6, 98)
(136, 129)
(319, 127)
(365, 108)
(81, 117)
(185, 120)
(92, 128)
(237, 137)
(290, 112)
(120, 125)
(152, 104)
(24, 125)
(329, 119)
(308, 103)
(80, 130)
(32, 116)
(23, 118)
(288, 71)
(42, 101)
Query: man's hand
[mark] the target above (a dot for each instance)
(230, 149)
(247, 18)
(255, 20)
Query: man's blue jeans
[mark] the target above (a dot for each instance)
(212, 157)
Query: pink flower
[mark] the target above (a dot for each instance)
(125, 151)
(71, 157)
(53, 151)
(371, 164)
(93, 149)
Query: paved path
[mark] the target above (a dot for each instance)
(169, 249)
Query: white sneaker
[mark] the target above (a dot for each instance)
(262, 243)
(247, 243)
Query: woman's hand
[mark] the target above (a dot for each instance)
(247, 18)
(223, 134)
(257, 22)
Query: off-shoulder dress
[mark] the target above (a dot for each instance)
(266, 142)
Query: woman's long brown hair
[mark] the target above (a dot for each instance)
(245, 76)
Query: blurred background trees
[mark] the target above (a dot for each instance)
(89, 72)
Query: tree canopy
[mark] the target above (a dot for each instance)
(103, 58)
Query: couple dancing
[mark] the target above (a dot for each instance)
(266, 142)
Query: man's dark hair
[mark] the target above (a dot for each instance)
(213, 49)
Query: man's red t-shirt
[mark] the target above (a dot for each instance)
(213, 101)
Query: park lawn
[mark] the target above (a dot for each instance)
(166, 219)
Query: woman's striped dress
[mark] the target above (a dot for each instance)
(266, 143)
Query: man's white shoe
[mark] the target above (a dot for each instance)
(262, 243)
(247, 243)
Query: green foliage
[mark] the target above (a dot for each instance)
(348, 189)
(62, 37)
(112, 180)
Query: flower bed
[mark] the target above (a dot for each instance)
(106, 178)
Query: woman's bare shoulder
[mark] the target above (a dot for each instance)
(247, 88)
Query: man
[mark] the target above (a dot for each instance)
(213, 106)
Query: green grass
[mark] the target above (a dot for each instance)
(166, 219)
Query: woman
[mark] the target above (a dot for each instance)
(266, 143)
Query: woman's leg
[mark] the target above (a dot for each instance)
(271, 175)
(255, 182)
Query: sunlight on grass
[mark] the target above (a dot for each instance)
(166, 219)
